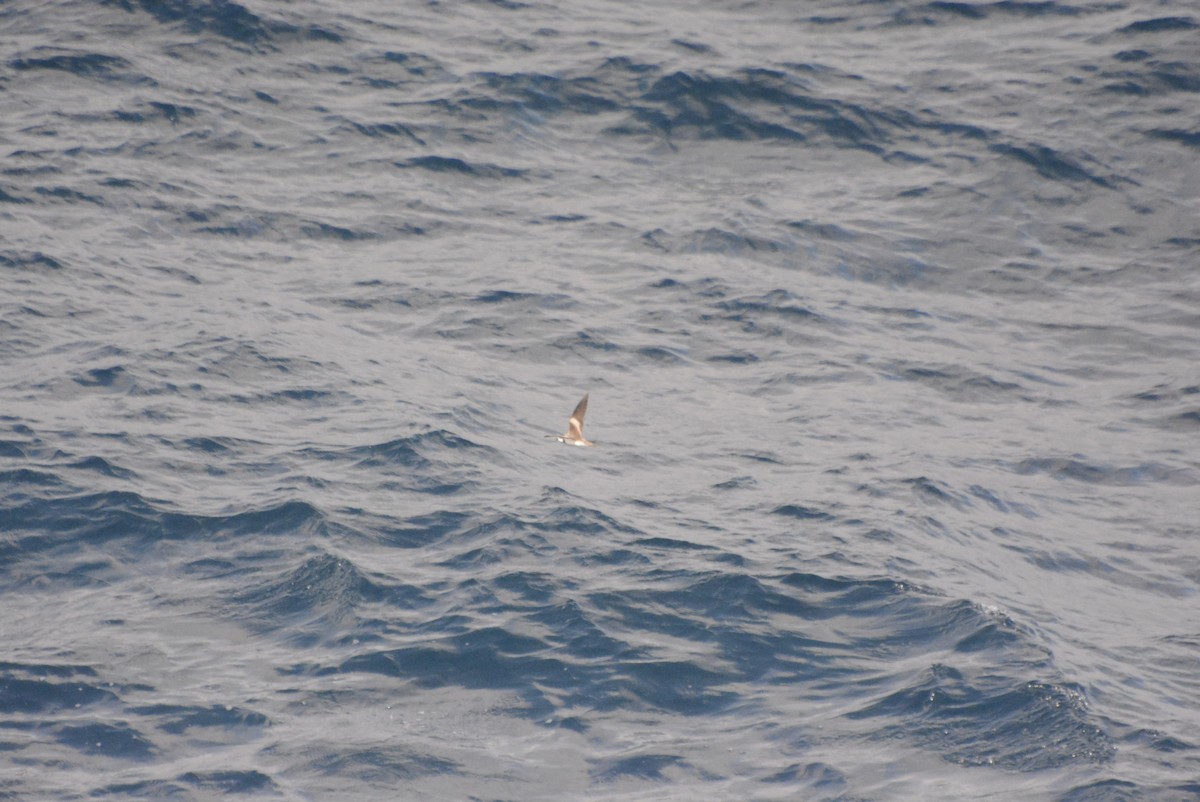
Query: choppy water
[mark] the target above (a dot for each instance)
(890, 318)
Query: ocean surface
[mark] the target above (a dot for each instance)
(890, 318)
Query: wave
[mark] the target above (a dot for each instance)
(127, 526)
(84, 65)
(226, 19)
(1079, 468)
(718, 635)
(971, 720)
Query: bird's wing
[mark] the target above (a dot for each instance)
(575, 425)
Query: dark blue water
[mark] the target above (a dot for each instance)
(890, 321)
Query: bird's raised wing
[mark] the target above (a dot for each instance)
(575, 425)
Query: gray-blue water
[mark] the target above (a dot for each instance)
(890, 318)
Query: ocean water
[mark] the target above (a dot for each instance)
(890, 318)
